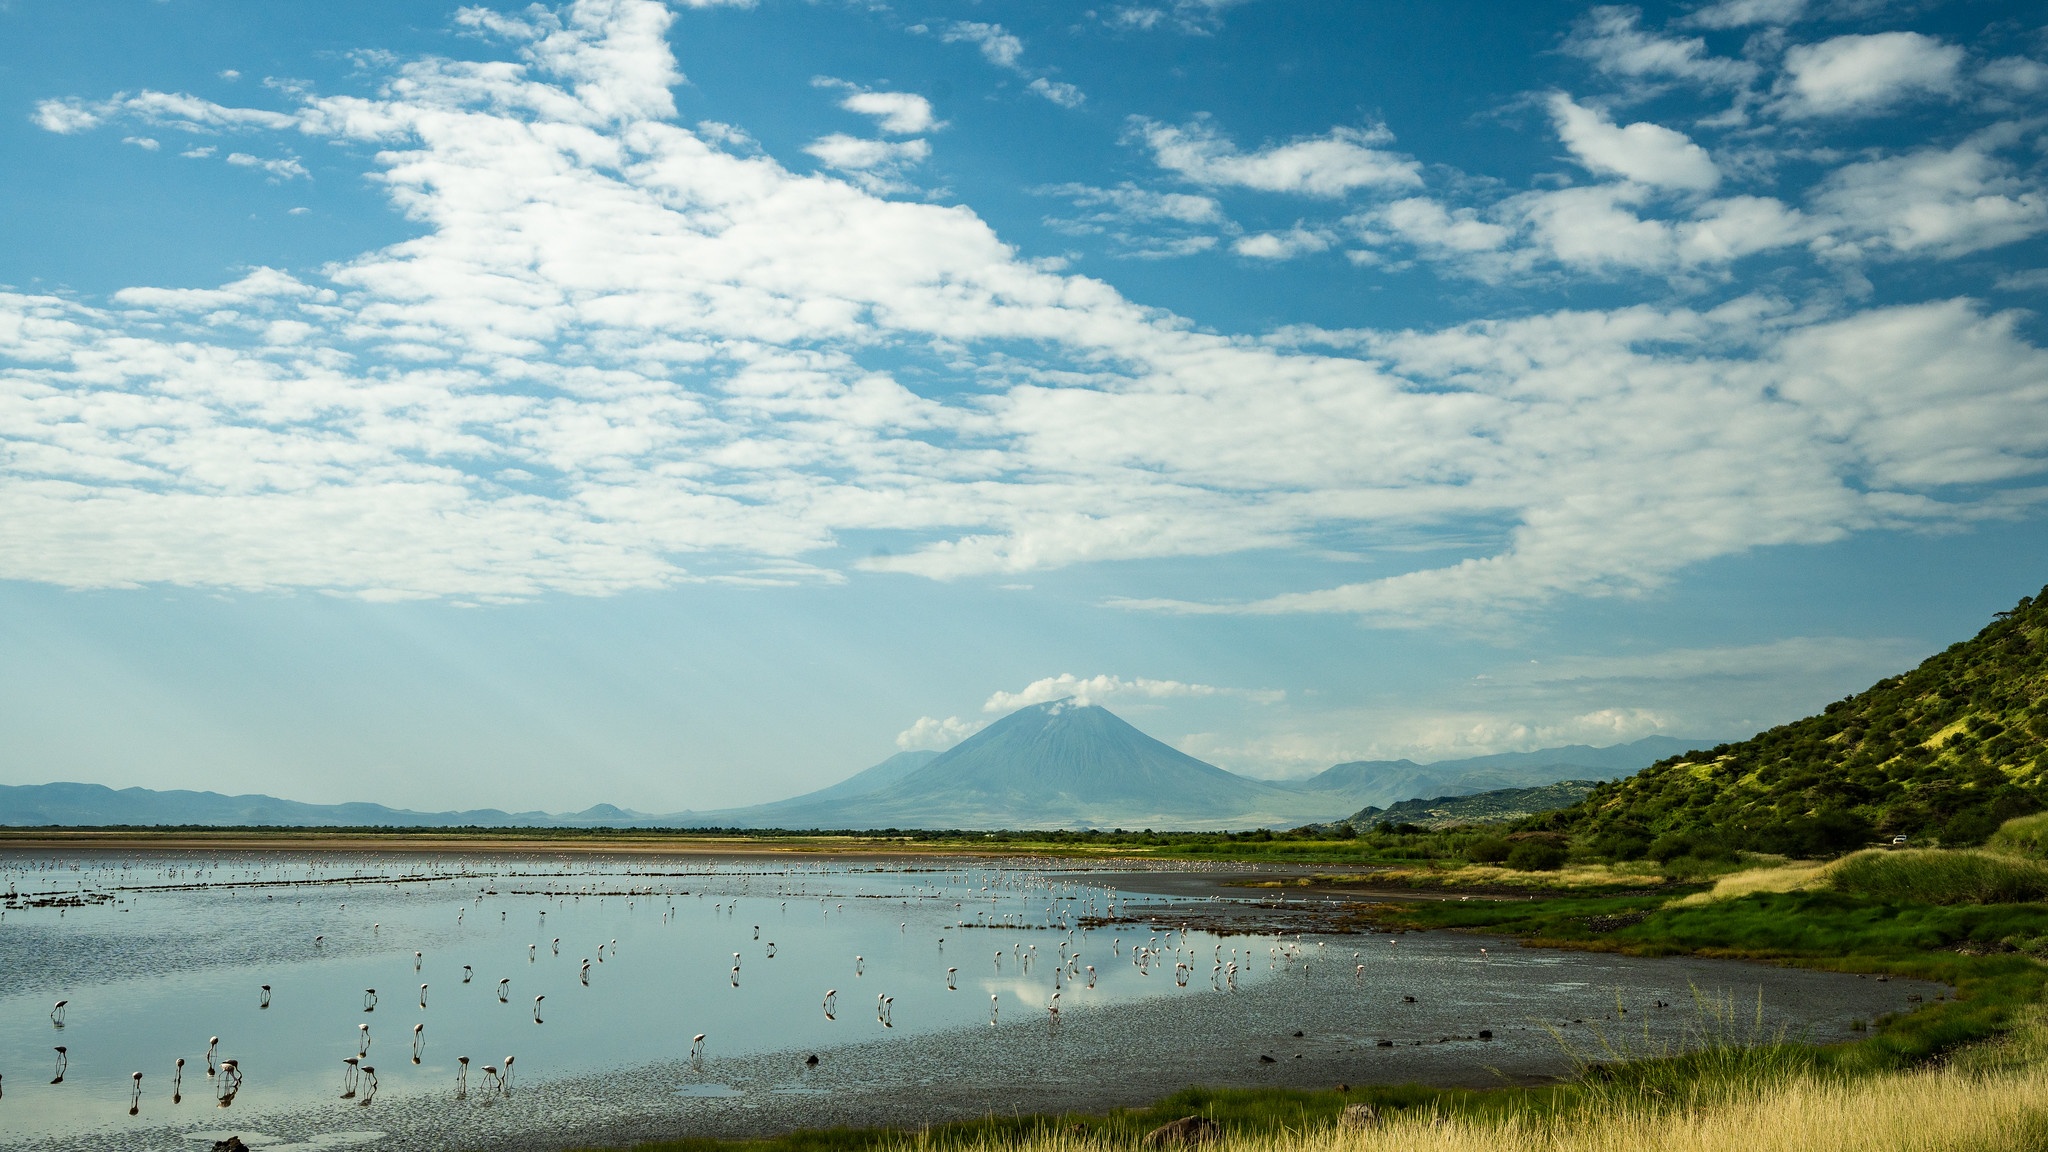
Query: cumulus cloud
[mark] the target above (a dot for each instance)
(1330, 165)
(998, 46)
(620, 353)
(1062, 94)
(1746, 13)
(1613, 40)
(899, 113)
(1941, 201)
(280, 168)
(933, 734)
(1862, 75)
(1281, 245)
(1097, 689)
(1646, 153)
(875, 163)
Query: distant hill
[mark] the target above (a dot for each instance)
(1951, 749)
(36, 805)
(1056, 765)
(1384, 782)
(1501, 806)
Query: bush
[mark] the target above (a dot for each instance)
(1488, 850)
(1822, 835)
(1941, 876)
(1536, 856)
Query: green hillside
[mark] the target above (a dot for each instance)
(1500, 806)
(1945, 752)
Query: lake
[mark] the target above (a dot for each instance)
(925, 988)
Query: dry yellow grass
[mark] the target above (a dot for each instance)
(1777, 878)
(1939, 1111)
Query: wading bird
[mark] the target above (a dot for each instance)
(349, 1076)
(362, 1039)
(63, 1062)
(178, 1081)
(263, 1001)
(831, 1002)
(419, 1041)
(57, 1013)
(135, 1094)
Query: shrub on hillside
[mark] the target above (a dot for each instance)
(1536, 856)
(1488, 850)
(1941, 876)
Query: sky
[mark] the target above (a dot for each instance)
(686, 405)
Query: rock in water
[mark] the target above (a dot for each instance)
(231, 1144)
(1182, 1132)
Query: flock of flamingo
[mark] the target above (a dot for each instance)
(1166, 950)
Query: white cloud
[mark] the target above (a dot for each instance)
(1281, 245)
(2016, 74)
(1940, 201)
(1646, 153)
(1064, 95)
(1745, 13)
(1862, 75)
(933, 734)
(1128, 202)
(1613, 41)
(1330, 165)
(903, 113)
(142, 142)
(286, 168)
(66, 116)
(997, 45)
(622, 354)
(1428, 224)
(877, 165)
(1097, 689)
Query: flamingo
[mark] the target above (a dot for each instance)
(178, 1080)
(697, 1047)
(536, 1008)
(263, 1001)
(461, 1077)
(362, 1040)
(423, 995)
(57, 1013)
(502, 999)
(348, 1076)
(950, 986)
(993, 1008)
(466, 973)
(212, 1046)
(63, 1062)
(369, 1086)
(369, 999)
(831, 1001)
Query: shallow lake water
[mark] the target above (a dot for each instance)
(925, 991)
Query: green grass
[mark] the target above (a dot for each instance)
(1934, 876)
(2027, 835)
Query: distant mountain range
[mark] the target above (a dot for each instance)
(1500, 806)
(1054, 765)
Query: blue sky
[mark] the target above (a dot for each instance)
(682, 406)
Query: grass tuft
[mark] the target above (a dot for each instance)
(1935, 876)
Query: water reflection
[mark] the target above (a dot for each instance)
(149, 960)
